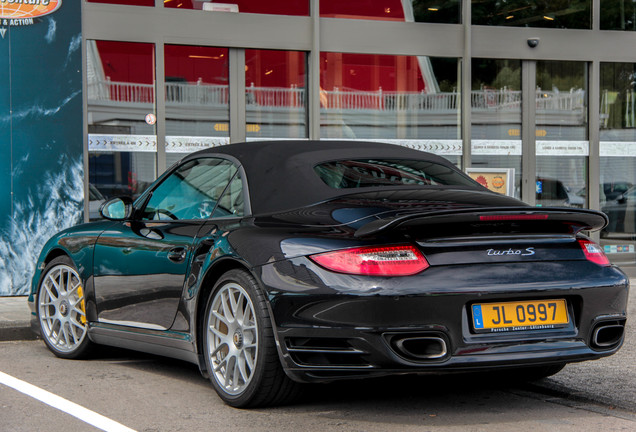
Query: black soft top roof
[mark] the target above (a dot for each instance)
(280, 174)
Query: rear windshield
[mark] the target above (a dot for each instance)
(347, 174)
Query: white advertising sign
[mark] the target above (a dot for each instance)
(122, 143)
(496, 147)
(436, 146)
(189, 144)
(618, 149)
(563, 148)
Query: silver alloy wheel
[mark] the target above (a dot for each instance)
(61, 309)
(232, 338)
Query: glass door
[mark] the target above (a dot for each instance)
(562, 145)
(529, 130)
(617, 186)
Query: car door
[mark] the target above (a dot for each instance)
(140, 264)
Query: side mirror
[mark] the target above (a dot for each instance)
(117, 209)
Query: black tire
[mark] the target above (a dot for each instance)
(60, 310)
(239, 347)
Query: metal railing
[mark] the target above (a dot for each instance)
(277, 97)
(198, 94)
(121, 92)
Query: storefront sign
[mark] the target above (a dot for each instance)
(122, 143)
(500, 180)
(563, 148)
(496, 147)
(544, 148)
(617, 149)
(436, 146)
(15, 13)
(189, 144)
(614, 249)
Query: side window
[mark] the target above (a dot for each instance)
(192, 191)
(231, 203)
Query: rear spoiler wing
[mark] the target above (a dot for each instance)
(578, 219)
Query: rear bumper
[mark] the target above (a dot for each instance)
(363, 354)
(332, 326)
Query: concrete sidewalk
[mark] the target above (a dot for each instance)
(15, 319)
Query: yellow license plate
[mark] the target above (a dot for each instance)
(523, 315)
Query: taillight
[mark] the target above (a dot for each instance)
(513, 217)
(594, 253)
(403, 260)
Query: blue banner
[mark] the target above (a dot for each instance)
(41, 163)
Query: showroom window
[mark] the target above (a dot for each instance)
(562, 146)
(122, 141)
(618, 156)
(197, 99)
(275, 94)
(496, 125)
(566, 14)
(448, 12)
(271, 7)
(408, 100)
(618, 15)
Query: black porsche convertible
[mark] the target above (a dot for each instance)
(276, 263)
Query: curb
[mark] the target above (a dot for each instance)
(16, 330)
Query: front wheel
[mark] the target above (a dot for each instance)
(61, 310)
(239, 346)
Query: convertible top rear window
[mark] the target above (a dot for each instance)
(348, 174)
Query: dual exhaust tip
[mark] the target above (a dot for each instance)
(608, 334)
(420, 347)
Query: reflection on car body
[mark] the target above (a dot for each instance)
(274, 264)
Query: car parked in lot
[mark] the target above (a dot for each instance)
(622, 215)
(277, 263)
(552, 192)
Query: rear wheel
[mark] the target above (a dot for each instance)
(239, 346)
(61, 310)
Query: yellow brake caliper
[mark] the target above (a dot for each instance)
(80, 293)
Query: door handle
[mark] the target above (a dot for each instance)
(177, 254)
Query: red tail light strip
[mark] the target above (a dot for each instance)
(402, 260)
(518, 217)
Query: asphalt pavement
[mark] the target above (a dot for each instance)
(604, 386)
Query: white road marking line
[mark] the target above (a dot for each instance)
(78, 411)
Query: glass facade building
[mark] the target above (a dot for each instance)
(539, 93)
